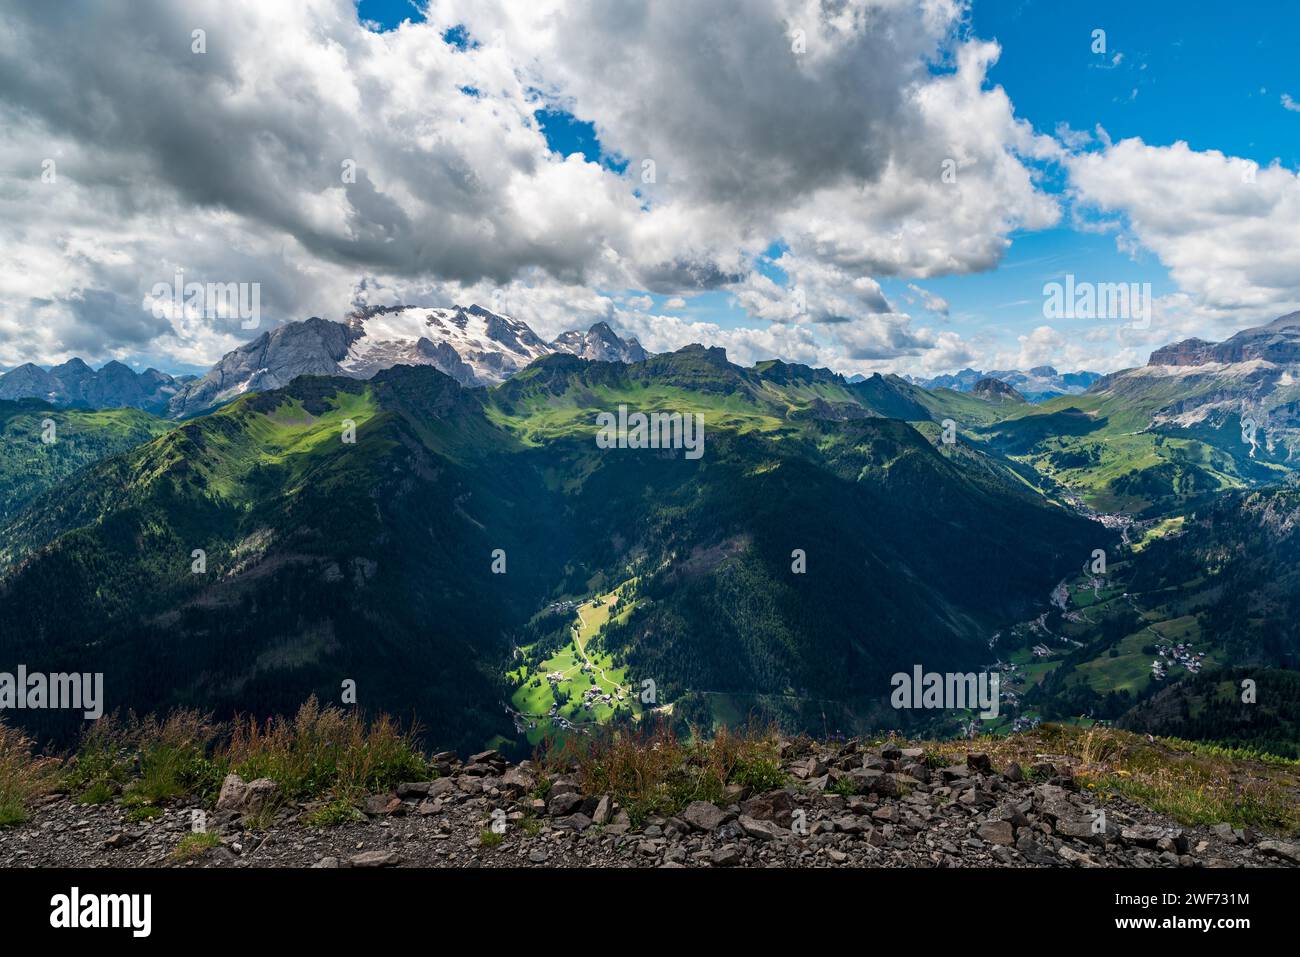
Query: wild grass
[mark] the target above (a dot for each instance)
(194, 845)
(654, 772)
(102, 764)
(1191, 783)
(23, 775)
(146, 761)
(172, 757)
(336, 812)
(326, 753)
(844, 787)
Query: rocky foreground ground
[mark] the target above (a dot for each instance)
(487, 812)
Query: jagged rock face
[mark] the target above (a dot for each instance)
(995, 390)
(1278, 342)
(29, 382)
(601, 344)
(272, 360)
(1189, 352)
(75, 383)
(472, 345)
(1219, 388)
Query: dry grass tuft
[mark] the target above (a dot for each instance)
(652, 771)
(325, 751)
(23, 775)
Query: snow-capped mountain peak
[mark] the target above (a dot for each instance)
(471, 344)
(601, 344)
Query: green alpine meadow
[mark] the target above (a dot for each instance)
(479, 560)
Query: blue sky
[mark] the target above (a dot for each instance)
(389, 13)
(1211, 75)
(497, 147)
(1197, 68)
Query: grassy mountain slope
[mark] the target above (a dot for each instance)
(909, 560)
(1130, 445)
(30, 466)
(372, 561)
(326, 561)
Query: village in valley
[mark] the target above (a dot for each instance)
(1162, 646)
(579, 685)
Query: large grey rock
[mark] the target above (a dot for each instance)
(1282, 849)
(704, 816)
(579, 822)
(246, 799)
(759, 830)
(1068, 853)
(1150, 835)
(997, 832)
(1012, 812)
(518, 781)
(374, 859)
(729, 855)
(441, 787)
(775, 806)
(1080, 829)
(563, 804)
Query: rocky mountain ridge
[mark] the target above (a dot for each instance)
(844, 805)
(472, 345)
(1245, 388)
(600, 344)
(996, 390)
(1277, 342)
(76, 384)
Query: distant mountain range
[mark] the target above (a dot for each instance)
(1198, 420)
(1036, 385)
(470, 344)
(76, 384)
(372, 560)
(476, 347)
